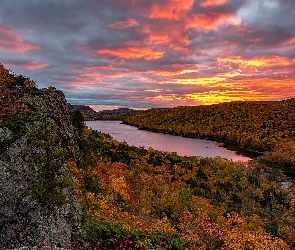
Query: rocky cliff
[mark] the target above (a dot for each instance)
(39, 133)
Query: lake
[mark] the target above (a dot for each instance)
(164, 142)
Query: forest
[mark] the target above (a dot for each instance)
(140, 198)
(137, 198)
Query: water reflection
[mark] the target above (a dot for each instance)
(163, 142)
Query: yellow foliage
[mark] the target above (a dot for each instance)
(120, 186)
(255, 223)
(236, 239)
(235, 220)
(165, 225)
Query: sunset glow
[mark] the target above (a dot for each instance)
(133, 53)
(161, 53)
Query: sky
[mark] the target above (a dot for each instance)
(153, 53)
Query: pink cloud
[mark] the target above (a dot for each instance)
(211, 20)
(209, 3)
(33, 65)
(129, 22)
(10, 40)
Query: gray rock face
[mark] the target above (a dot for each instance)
(24, 219)
(5, 134)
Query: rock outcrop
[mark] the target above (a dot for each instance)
(37, 197)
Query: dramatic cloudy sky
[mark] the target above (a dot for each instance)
(153, 53)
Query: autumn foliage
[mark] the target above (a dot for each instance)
(137, 198)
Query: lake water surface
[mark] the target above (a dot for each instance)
(163, 142)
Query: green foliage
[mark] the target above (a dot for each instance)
(78, 120)
(110, 235)
(201, 174)
(120, 155)
(217, 198)
(184, 195)
(155, 159)
(91, 184)
(5, 144)
(177, 243)
(88, 146)
(121, 202)
(18, 124)
(102, 235)
(192, 183)
(50, 158)
(272, 228)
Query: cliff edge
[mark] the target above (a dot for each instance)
(39, 132)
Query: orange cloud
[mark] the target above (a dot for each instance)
(10, 41)
(133, 53)
(97, 68)
(143, 73)
(154, 36)
(279, 88)
(209, 3)
(257, 62)
(130, 22)
(173, 38)
(173, 9)
(211, 20)
(28, 65)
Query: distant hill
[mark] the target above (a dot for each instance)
(114, 114)
(88, 112)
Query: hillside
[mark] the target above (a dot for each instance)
(145, 199)
(63, 185)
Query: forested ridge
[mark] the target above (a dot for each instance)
(259, 126)
(64, 185)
